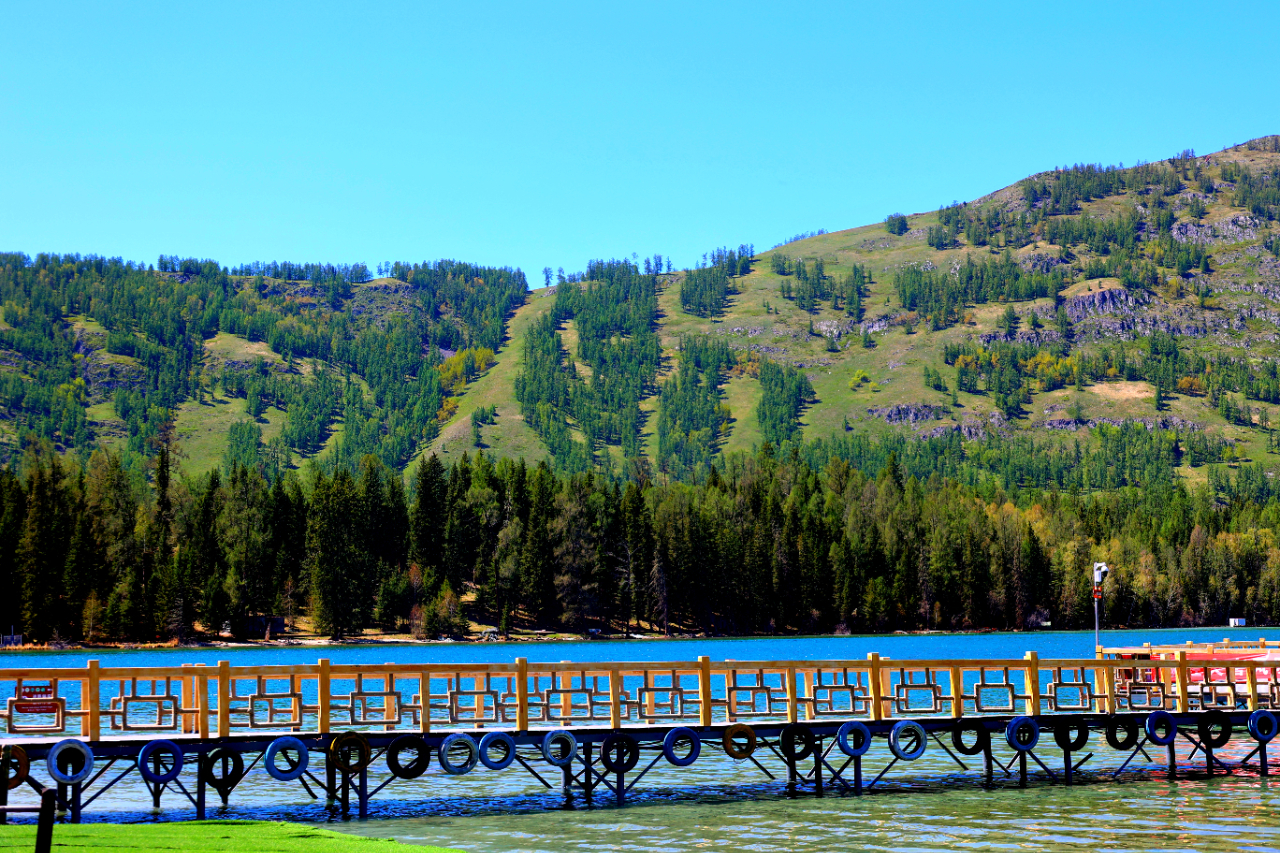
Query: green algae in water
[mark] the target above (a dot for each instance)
(1221, 814)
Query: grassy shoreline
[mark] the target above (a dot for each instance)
(210, 836)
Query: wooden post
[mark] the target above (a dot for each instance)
(957, 692)
(522, 694)
(566, 696)
(704, 691)
(224, 698)
(1109, 674)
(187, 725)
(388, 684)
(806, 690)
(424, 699)
(1184, 704)
(1033, 684)
(322, 696)
(202, 701)
(792, 705)
(873, 679)
(89, 699)
(615, 698)
(1251, 674)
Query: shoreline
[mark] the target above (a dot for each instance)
(307, 641)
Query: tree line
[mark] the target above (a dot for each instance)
(843, 534)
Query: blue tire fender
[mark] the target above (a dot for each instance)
(148, 751)
(489, 741)
(447, 762)
(1157, 722)
(1022, 734)
(1262, 725)
(286, 775)
(74, 746)
(675, 736)
(559, 748)
(907, 730)
(861, 738)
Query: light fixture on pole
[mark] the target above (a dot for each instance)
(1100, 571)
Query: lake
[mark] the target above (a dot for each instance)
(932, 805)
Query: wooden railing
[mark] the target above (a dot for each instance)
(224, 700)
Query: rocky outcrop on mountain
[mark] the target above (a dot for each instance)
(971, 429)
(104, 373)
(1026, 336)
(834, 329)
(908, 413)
(1039, 262)
(1237, 229)
(879, 324)
(1171, 422)
(1126, 314)
(1115, 300)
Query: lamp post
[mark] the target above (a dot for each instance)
(1100, 571)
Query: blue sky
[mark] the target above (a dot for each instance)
(547, 134)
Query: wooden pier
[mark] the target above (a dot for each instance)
(586, 726)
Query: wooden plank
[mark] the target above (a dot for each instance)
(1183, 682)
(1251, 678)
(92, 702)
(202, 701)
(615, 700)
(1031, 671)
(322, 696)
(806, 692)
(187, 725)
(704, 691)
(792, 704)
(522, 694)
(957, 692)
(224, 698)
(424, 698)
(877, 710)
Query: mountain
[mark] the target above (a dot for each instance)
(1068, 312)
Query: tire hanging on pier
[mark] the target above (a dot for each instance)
(1071, 734)
(981, 737)
(620, 753)
(20, 766)
(1161, 728)
(560, 748)
(66, 752)
(232, 766)
(148, 753)
(351, 752)
(450, 745)
(1122, 723)
(672, 738)
(1262, 725)
(735, 750)
(1214, 728)
(508, 745)
(796, 741)
(421, 760)
(1022, 734)
(294, 772)
(853, 738)
(911, 732)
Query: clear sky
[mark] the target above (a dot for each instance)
(540, 134)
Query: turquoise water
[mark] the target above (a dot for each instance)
(930, 804)
(1065, 644)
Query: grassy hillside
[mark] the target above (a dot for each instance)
(867, 372)
(1236, 318)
